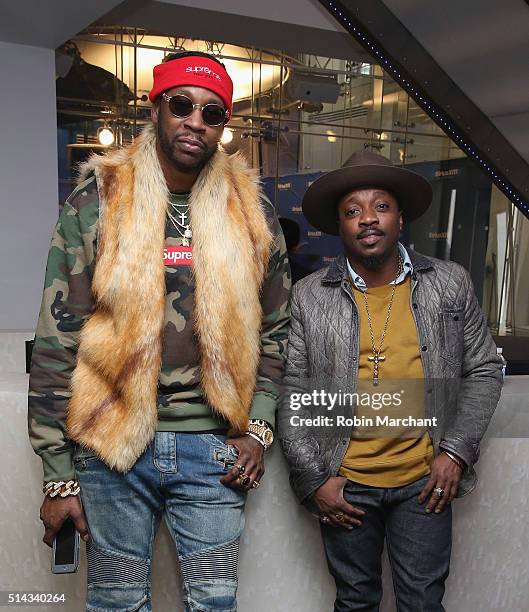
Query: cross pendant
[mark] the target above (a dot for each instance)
(376, 358)
(183, 217)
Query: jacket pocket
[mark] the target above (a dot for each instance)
(451, 341)
(83, 462)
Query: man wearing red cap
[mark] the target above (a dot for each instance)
(159, 348)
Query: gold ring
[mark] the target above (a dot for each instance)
(241, 468)
(339, 516)
(244, 480)
(256, 484)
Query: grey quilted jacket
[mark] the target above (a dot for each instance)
(461, 369)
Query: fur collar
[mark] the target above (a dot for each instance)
(113, 407)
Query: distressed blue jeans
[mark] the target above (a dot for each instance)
(418, 544)
(176, 477)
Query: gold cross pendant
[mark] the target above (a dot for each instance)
(376, 358)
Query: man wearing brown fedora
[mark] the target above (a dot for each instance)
(392, 378)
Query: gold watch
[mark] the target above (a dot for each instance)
(261, 431)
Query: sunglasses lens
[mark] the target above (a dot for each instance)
(180, 106)
(213, 114)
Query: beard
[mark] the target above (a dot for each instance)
(374, 262)
(167, 147)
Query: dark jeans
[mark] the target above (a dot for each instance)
(418, 547)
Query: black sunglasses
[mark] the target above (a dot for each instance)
(182, 106)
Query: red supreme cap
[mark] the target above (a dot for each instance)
(193, 70)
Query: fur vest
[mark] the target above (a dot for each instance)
(113, 405)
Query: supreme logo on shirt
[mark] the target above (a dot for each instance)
(178, 255)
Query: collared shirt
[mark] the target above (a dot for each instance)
(407, 268)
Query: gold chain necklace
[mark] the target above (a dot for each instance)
(376, 357)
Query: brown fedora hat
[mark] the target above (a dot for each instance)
(364, 169)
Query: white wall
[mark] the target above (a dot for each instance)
(28, 179)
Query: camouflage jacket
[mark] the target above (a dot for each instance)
(67, 303)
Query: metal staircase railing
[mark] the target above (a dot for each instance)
(377, 29)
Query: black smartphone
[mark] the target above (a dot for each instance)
(65, 555)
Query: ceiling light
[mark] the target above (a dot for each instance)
(227, 136)
(105, 135)
(331, 136)
(249, 77)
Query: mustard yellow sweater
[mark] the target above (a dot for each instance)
(382, 455)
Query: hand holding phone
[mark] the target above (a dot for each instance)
(53, 513)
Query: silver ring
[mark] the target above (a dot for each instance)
(439, 491)
(325, 519)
